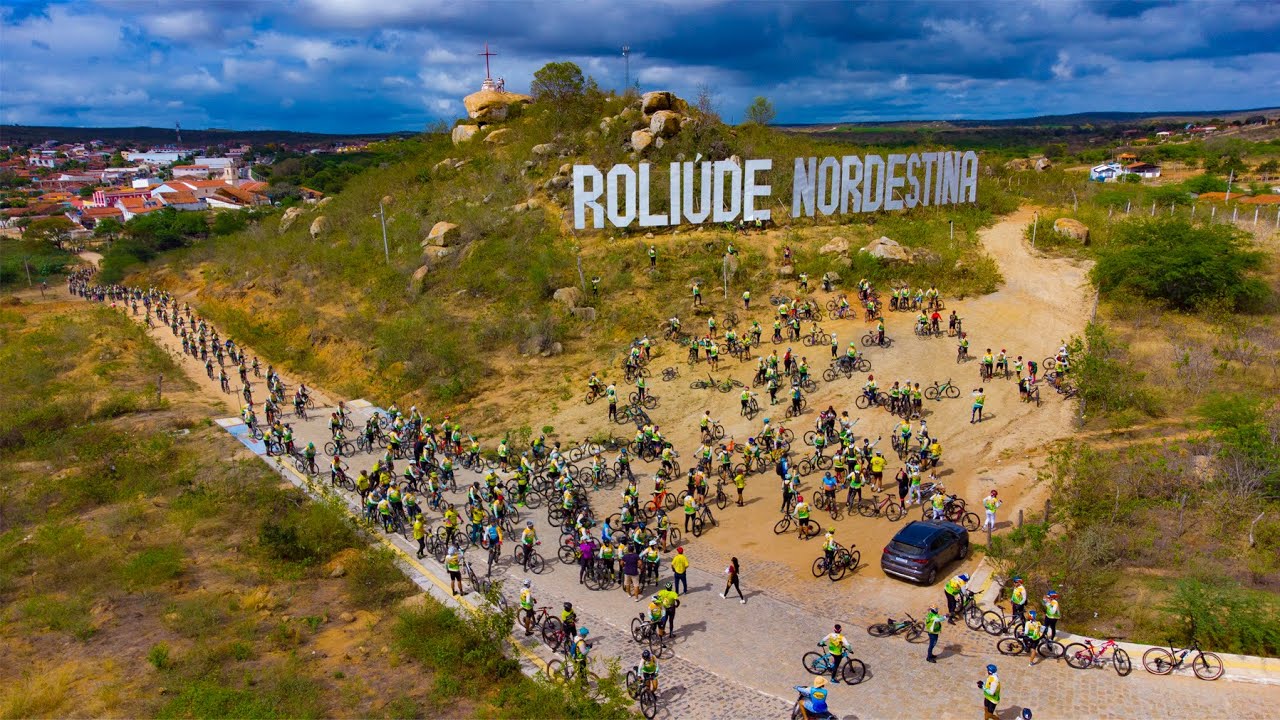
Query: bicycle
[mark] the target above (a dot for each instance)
(937, 391)
(873, 339)
(782, 526)
(967, 607)
(798, 711)
(642, 692)
(876, 507)
(852, 670)
(913, 628)
(670, 373)
(1206, 665)
(644, 632)
(1084, 655)
(567, 671)
(841, 562)
(1048, 649)
(995, 622)
(537, 563)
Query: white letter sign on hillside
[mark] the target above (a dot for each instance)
(724, 191)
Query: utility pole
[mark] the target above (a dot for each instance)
(382, 216)
(1035, 225)
(1230, 179)
(626, 64)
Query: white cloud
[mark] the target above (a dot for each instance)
(441, 106)
(901, 83)
(64, 34)
(443, 82)
(200, 80)
(184, 25)
(1062, 69)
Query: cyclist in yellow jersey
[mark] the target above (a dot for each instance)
(527, 605)
(836, 644)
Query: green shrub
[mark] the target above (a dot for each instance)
(1225, 616)
(60, 614)
(158, 656)
(374, 579)
(1187, 265)
(307, 534)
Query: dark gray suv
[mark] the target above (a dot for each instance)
(923, 548)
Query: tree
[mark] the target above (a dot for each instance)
(85, 192)
(1186, 265)
(760, 111)
(558, 82)
(56, 230)
(1268, 168)
(705, 102)
(108, 229)
(117, 160)
(1055, 151)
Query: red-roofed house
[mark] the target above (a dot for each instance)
(134, 206)
(183, 200)
(196, 171)
(234, 198)
(90, 217)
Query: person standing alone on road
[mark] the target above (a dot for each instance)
(990, 503)
(680, 568)
(631, 572)
(990, 694)
(932, 626)
(732, 572)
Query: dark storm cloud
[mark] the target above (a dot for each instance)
(347, 65)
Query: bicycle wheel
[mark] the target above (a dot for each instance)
(853, 671)
(931, 393)
(880, 630)
(894, 511)
(993, 622)
(952, 392)
(1121, 662)
(819, 567)
(1078, 656)
(567, 555)
(915, 633)
(1158, 661)
(1207, 666)
(1050, 649)
(865, 508)
(782, 526)
(722, 499)
(633, 684)
(699, 526)
(862, 402)
(814, 663)
(1009, 646)
(558, 671)
(648, 703)
(973, 617)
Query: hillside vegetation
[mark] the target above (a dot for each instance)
(147, 570)
(336, 310)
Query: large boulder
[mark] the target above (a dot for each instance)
(786, 271)
(498, 136)
(664, 123)
(1072, 228)
(568, 296)
(490, 106)
(443, 234)
(887, 249)
(288, 218)
(1017, 164)
(387, 200)
(559, 182)
(433, 255)
(837, 246)
(463, 133)
(831, 277)
(652, 102)
(445, 164)
(583, 313)
(543, 149)
(324, 201)
(640, 140)
(1043, 164)
(319, 227)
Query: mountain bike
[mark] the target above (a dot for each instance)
(913, 628)
(1022, 645)
(537, 563)
(876, 507)
(567, 671)
(995, 622)
(842, 562)
(670, 373)
(645, 633)
(967, 608)
(642, 692)
(937, 391)
(852, 670)
(1206, 665)
(1085, 655)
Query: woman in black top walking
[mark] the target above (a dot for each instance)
(732, 572)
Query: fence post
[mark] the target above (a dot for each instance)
(1153, 209)
(1255, 216)
(1109, 211)
(1213, 212)
(1048, 506)
(1235, 211)
(1127, 204)
(1035, 225)
(159, 388)
(1019, 517)
(988, 536)
(1193, 211)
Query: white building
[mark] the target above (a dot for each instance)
(154, 157)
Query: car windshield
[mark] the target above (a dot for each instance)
(905, 548)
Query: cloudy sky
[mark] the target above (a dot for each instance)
(381, 65)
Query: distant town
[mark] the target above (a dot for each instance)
(88, 182)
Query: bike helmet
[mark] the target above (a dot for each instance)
(525, 583)
(819, 681)
(831, 529)
(994, 493)
(964, 577)
(528, 523)
(646, 654)
(837, 627)
(568, 606)
(656, 598)
(583, 632)
(1017, 579)
(668, 586)
(991, 668)
(1026, 713)
(1031, 614)
(799, 498)
(1053, 593)
(933, 608)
